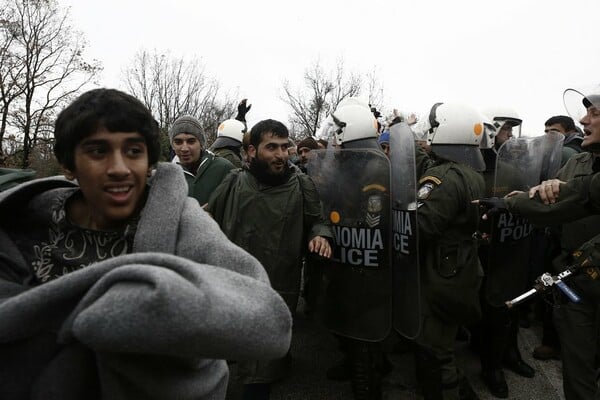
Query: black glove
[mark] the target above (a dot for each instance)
(493, 206)
(376, 113)
(242, 110)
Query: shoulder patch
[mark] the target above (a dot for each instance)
(425, 189)
(431, 178)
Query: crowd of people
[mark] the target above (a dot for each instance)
(133, 278)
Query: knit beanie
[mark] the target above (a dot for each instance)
(308, 142)
(187, 124)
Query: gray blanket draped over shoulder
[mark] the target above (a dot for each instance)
(155, 324)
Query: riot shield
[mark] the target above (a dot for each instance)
(355, 297)
(506, 258)
(552, 143)
(405, 259)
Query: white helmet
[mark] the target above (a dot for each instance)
(497, 118)
(352, 120)
(577, 101)
(455, 132)
(232, 128)
(230, 133)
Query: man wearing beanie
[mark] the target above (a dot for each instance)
(304, 147)
(203, 170)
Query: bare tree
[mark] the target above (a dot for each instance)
(11, 69)
(51, 68)
(171, 87)
(374, 88)
(322, 92)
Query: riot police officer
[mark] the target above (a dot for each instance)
(555, 202)
(353, 179)
(504, 257)
(450, 269)
(230, 135)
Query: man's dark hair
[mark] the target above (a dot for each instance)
(565, 121)
(268, 125)
(103, 108)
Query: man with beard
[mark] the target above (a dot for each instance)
(273, 212)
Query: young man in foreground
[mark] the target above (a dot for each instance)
(118, 285)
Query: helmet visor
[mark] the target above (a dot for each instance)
(578, 101)
(469, 155)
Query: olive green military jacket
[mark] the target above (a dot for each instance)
(447, 219)
(574, 234)
(229, 155)
(273, 223)
(578, 198)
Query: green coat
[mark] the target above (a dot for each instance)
(574, 234)
(273, 223)
(10, 177)
(451, 272)
(578, 198)
(229, 155)
(210, 174)
(571, 147)
(574, 203)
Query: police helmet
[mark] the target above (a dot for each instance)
(455, 132)
(497, 117)
(352, 121)
(230, 133)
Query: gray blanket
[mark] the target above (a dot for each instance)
(148, 325)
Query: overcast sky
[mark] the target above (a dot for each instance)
(517, 53)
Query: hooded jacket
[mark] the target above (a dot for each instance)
(273, 223)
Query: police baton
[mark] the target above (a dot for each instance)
(546, 281)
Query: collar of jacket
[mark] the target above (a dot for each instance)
(205, 159)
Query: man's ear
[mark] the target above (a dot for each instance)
(68, 173)
(251, 151)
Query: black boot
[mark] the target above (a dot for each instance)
(515, 363)
(429, 374)
(465, 391)
(496, 342)
(496, 383)
(513, 359)
(366, 379)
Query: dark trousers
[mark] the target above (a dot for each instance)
(577, 328)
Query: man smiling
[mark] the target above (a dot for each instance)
(203, 170)
(104, 291)
(273, 212)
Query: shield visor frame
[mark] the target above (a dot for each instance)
(578, 102)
